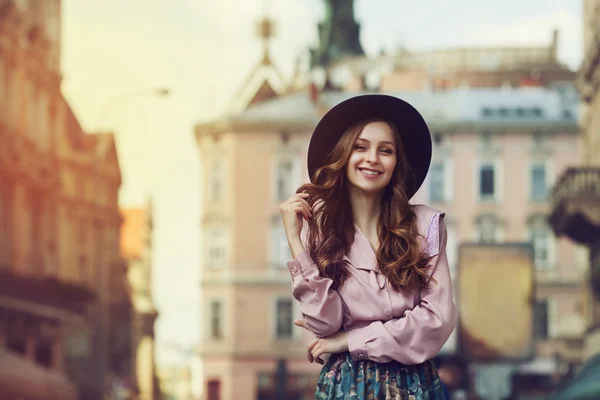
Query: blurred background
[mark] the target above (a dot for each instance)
(145, 147)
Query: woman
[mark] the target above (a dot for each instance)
(371, 273)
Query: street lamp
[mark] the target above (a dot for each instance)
(103, 317)
(157, 92)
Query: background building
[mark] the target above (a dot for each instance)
(501, 134)
(60, 266)
(136, 248)
(576, 196)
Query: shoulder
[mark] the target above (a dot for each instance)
(429, 225)
(427, 217)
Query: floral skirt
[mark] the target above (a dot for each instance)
(343, 378)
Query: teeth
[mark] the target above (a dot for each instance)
(366, 171)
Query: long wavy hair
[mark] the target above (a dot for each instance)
(331, 230)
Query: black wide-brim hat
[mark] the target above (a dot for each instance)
(416, 139)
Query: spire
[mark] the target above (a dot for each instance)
(264, 82)
(338, 34)
(265, 33)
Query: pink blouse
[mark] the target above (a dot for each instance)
(382, 324)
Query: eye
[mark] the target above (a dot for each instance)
(387, 151)
(360, 147)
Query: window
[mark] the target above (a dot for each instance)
(43, 354)
(488, 229)
(284, 318)
(216, 319)
(487, 112)
(537, 112)
(280, 249)
(541, 319)
(542, 241)
(538, 140)
(284, 179)
(216, 247)
(486, 139)
(437, 189)
(487, 182)
(539, 187)
(216, 181)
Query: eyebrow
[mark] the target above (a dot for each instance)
(384, 142)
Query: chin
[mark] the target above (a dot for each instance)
(372, 189)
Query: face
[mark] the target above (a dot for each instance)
(373, 158)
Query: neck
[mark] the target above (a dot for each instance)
(366, 208)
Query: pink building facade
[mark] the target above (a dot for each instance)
(496, 154)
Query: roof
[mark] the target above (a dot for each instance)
(502, 106)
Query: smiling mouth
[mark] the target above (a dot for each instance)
(370, 172)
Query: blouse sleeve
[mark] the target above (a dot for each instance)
(421, 332)
(320, 305)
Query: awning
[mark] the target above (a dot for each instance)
(23, 379)
(585, 385)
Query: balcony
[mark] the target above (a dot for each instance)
(45, 296)
(575, 205)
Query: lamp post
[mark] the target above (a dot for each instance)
(157, 92)
(101, 339)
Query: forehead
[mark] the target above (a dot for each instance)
(378, 131)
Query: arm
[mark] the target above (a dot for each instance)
(421, 332)
(320, 305)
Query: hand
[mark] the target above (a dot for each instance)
(292, 211)
(336, 343)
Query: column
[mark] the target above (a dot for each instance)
(58, 350)
(21, 224)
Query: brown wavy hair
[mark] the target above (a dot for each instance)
(331, 230)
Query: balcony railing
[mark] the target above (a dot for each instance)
(575, 203)
(577, 183)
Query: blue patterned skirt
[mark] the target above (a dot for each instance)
(343, 378)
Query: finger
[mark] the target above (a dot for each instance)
(298, 196)
(309, 348)
(319, 360)
(302, 203)
(307, 206)
(301, 210)
(316, 351)
(301, 324)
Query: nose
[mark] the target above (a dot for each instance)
(372, 157)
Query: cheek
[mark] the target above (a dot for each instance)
(390, 164)
(352, 161)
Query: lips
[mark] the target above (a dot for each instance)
(370, 173)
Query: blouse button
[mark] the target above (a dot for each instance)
(387, 312)
(295, 270)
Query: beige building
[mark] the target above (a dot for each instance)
(576, 196)
(491, 175)
(496, 153)
(59, 222)
(136, 248)
(504, 126)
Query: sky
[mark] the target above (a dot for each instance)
(114, 53)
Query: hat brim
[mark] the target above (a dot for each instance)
(416, 139)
